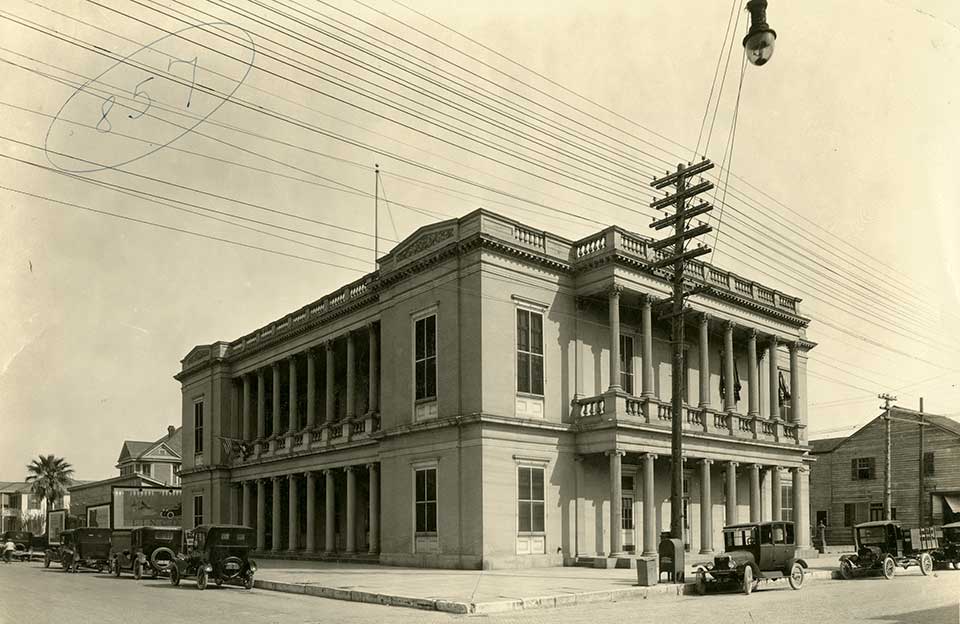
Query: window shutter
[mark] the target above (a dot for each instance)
(853, 468)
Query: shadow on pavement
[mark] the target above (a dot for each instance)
(937, 615)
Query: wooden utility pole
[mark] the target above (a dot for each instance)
(920, 501)
(677, 261)
(888, 472)
(376, 214)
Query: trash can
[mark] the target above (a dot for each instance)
(647, 572)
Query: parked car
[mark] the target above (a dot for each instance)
(85, 547)
(753, 552)
(145, 550)
(22, 543)
(882, 545)
(219, 552)
(948, 552)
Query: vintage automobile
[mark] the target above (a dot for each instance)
(145, 549)
(753, 552)
(948, 552)
(22, 543)
(84, 547)
(220, 552)
(882, 545)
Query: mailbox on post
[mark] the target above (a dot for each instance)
(671, 559)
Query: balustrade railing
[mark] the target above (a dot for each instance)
(316, 435)
(281, 442)
(593, 406)
(664, 412)
(529, 237)
(298, 440)
(591, 246)
(721, 421)
(358, 426)
(336, 431)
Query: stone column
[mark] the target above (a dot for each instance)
(373, 387)
(616, 502)
(328, 415)
(754, 492)
(245, 409)
(729, 386)
(705, 361)
(351, 375)
(732, 515)
(311, 389)
(293, 515)
(351, 510)
(245, 503)
(276, 399)
(275, 544)
(261, 405)
(614, 309)
(706, 508)
(649, 507)
(329, 512)
(261, 514)
(801, 506)
(646, 320)
(774, 378)
(293, 415)
(776, 500)
(374, 495)
(794, 382)
(236, 493)
(753, 406)
(578, 354)
(311, 545)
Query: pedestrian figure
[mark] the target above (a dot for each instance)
(822, 529)
(8, 549)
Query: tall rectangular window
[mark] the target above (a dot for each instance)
(786, 502)
(530, 509)
(426, 500)
(197, 510)
(849, 514)
(626, 363)
(928, 464)
(198, 427)
(425, 357)
(862, 468)
(529, 352)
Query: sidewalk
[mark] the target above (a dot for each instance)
(471, 591)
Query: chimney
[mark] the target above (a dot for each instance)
(170, 430)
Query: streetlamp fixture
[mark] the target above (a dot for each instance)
(761, 38)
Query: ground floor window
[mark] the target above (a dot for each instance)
(786, 502)
(426, 539)
(531, 521)
(197, 510)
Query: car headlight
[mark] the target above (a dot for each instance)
(253, 566)
(731, 564)
(208, 568)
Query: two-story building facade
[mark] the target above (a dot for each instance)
(498, 396)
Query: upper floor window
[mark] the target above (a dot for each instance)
(198, 427)
(529, 352)
(783, 394)
(928, 464)
(862, 468)
(425, 357)
(626, 363)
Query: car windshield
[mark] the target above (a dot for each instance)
(952, 534)
(162, 536)
(738, 538)
(230, 537)
(872, 536)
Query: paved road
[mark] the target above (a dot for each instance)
(32, 595)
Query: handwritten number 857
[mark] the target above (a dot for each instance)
(104, 124)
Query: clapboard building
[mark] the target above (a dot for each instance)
(847, 479)
(498, 396)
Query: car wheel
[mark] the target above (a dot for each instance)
(701, 585)
(889, 568)
(201, 579)
(46, 561)
(926, 563)
(846, 569)
(115, 567)
(248, 581)
(154, 573)
(174, 575)
(796, 576)
(747, 580)
(218, 581)
(137, 570)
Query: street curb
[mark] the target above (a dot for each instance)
(497, 606)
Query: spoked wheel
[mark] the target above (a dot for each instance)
(747, 580)
(137, 570)
(846, 570)
(926, 563)
(248, 581)
(202, 579)
(889, 568)
(174, 575)
(796, 576)
(701, 585)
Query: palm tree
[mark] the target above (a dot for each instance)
(49, 477)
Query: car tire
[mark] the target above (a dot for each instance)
(46, 561)
(747, 584)
(248, 581)
(701, 583)
(926, 564)
(115, 567)
(174, 575)
(218, 581)
(797, 575)
(846, 570)
(201, 579)
(154, 573)
(889, 568)
(137, 570)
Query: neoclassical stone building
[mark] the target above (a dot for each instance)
(498, 396)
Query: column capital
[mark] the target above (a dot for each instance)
(373, 465)
(615, 290)
(793, 346)
(772, 340)
(581, 302)
(326, 472)
(328, 344)
(729, 325)
(290, 358)
(349, 469)
(733, 464)
(704, 318)
(799, 469)
(293, 475)
(706, 461)
(651, 456)
(752, 333)
(613, 452)
(275, 365)
(277, 478)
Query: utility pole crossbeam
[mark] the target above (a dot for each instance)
(888, 471)
(678, 259)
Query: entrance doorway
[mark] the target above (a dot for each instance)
(627, 532)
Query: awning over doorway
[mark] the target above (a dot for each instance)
(953, 501)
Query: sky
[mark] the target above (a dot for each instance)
(229, 214)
